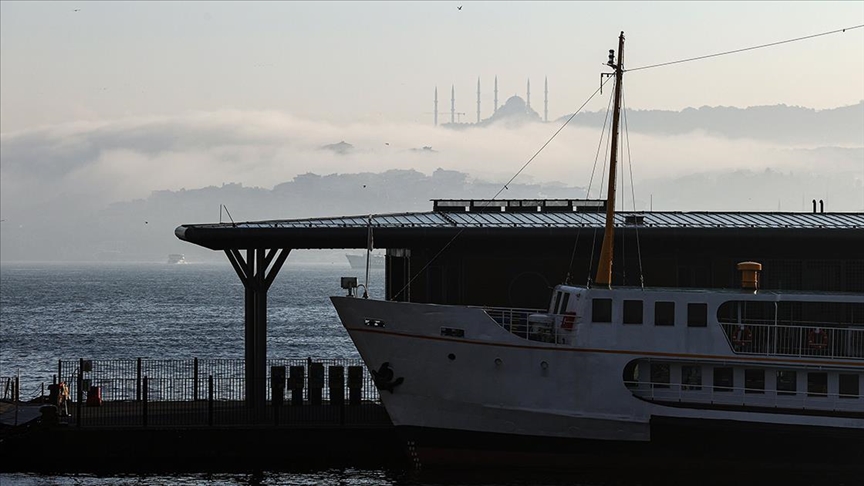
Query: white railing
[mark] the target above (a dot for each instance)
(515, 321)
(750, 398)
(802, 339)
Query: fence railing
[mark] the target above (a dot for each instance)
(11, 388)
(798, 340)
(208, 392)
(516, 322)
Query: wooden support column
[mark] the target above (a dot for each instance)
(253, 272)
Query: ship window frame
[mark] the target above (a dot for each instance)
(691, 377)
(817, 388)
(659, 377)
(631, 374)
(697, 314)
(605, 312)
(852, 381)
(664, 309)
(565, 301)
(721, 371)
(792, 388)
(630, 315)
(754, 385)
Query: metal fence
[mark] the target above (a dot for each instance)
(767, 338)
(209, 392)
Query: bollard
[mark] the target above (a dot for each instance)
(79, 393)
(316, 383)
(144, 405)
(277, 390)
(337, 385)
(138, 382)
(296, 383)
(195, 380)
(210, 400)
(355, 384)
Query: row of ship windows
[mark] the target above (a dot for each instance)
(664, 312)
(786, 382)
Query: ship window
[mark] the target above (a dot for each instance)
(787, 382)
(556, 309)
(632, 312)
(754, 381)
(660, 375)
(691, 377)
(697, 315)
(848, 386)
(723, 379)
(564, 302)
(664, 313)
(817, 384)
(601, 310)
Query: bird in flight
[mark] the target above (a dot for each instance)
(77, 10)
(457, 8)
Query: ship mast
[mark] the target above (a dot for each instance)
(604, 266)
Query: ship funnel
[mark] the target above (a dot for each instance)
(750, 274)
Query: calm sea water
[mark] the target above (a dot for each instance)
(70, 311)
(117, 310)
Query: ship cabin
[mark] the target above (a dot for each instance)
(745, 349)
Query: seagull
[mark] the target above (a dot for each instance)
(386, 143)
(77, 10)
(457, 8)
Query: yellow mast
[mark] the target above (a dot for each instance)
(604, 266)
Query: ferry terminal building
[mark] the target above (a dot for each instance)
(511, 253)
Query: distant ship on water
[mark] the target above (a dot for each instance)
(176, 258)
(359, 261)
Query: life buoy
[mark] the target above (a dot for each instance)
(742, 336)
(568, 320)
(817, 338)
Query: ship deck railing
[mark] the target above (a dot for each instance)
(795, 339)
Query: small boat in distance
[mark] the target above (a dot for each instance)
(359, 261)
(608, 377)
(176, 258)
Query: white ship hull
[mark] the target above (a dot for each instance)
(500, 389)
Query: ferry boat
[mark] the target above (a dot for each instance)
(176, 258)
(359, 261)
(635, 376)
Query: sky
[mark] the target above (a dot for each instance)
(380, 61)
(106, 102)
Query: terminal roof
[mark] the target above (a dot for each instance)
(352, 231)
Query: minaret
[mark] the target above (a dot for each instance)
(452, 104)
(436, 106)
(546, 99)
(478, 100)
(528, 100)
(496, 94)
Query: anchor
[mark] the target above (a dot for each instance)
(383, 378)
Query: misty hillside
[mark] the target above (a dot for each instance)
(779, 123)
(143, 229)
